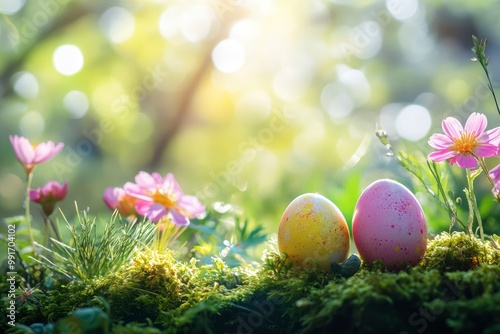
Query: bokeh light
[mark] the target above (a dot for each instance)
(402, 9)
(229, 56)
(169, 22)
(253, 106)
(68, 59)
(244, 30)
(291, 82)
(76, 103)
(11, 190)
(32, 124)
(196, 22)
(189, 86)
(9, 7)
(26, 85)
(118, 24)
(336, 101)
(413, 122)
(366, 39)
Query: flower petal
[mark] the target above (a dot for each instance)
(178, 219)
(155, 212)
(112, 196)
(157, 177)
(441, 155)
(190, 206)
(145, 180)
(440, 141)
(476, 123)
(46, 151)
(136, 191)
(35, 195)
(172, 186)
(491, 136)
(466, 161)
(495, 173)
(452, 127)
(485, 150)
(22, 149)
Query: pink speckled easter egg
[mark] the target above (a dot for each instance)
(312, 227)
(389, 224)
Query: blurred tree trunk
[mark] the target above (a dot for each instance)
(189, 92)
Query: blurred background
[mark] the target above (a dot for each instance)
(248, 102)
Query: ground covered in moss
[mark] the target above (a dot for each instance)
(455, 289)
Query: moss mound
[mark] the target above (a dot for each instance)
(460, 252)
(154, 293)
(151, 283)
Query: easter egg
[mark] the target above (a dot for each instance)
(389, 225)
(314, 228)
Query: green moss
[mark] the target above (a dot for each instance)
(458, 251)
(281, 298)
(149, 284)
(154, 293)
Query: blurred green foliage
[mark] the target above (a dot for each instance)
(247, 102)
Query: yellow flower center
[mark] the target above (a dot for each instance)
(163, 198)
(466, 143)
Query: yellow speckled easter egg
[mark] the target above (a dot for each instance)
(312, 227)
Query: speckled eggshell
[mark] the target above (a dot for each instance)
(389, 224)
(312, 227)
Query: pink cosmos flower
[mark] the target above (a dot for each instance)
(463, 145)
(30, 155)
(116, 198)
(158, 197)
(48, 195)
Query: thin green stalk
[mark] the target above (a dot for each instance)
(490, 86)
(27, 208)
(479, 49)
(446, 203)
(473, 208)
(46, 229)
(54, 227)
(485, 169)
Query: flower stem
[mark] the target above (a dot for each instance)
(483, 166)
(479, 50)
(27, 208)
(490, 86)
(473, 208)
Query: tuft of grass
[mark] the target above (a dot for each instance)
(88, 255)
